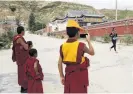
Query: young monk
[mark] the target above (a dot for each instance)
(30, 44)
(34, 73)
(72, 55)
(20, 55)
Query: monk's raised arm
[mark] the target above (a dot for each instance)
(89, 50)
(60, 67)
(23, 43)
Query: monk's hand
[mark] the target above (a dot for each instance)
(62, 80)
(88, 37)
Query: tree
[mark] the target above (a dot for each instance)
(31, 23)
(32, 6)
(12, 8)
(39, 26)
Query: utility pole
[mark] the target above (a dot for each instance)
(116, 12)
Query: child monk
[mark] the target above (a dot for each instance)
(72, 55)
(34, 73)
(30, 44)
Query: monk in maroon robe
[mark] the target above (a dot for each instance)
(34, 73)
(30, 44)
(20, 55)
(72, 55)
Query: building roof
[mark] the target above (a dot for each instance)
(60, 18)
(79, 13)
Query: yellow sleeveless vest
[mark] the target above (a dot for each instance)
(70, 52)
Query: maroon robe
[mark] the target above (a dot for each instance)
(20, 56)
(76, 75)
(76, 78)
(34, 81)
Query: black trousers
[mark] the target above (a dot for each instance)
(114, 44)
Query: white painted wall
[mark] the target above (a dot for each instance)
(53, 27)
(60, 26)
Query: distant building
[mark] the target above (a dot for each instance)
(84, 19)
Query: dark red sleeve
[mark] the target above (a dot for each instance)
(40, 75)
(61, 53)
(13, 48)
(16, 37)
(82, 46)
(80, 52)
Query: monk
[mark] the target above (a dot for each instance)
(34, 73)
(72, 55)
(30, 44)
(20, 55)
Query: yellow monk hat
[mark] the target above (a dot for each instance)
(73, 23)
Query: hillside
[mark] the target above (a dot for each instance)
(122, 14)
(59, 9)
(45, 12)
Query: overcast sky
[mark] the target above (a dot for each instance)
(99, 4)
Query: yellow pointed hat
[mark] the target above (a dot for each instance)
(73, 23)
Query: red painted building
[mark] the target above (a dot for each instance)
(122, 27)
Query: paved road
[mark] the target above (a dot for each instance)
(109, 72)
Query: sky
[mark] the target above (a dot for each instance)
(100, 4)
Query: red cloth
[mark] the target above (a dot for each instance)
(21, 77)
(34, 81)
(13, 48)
(76, 78)
(20, 55)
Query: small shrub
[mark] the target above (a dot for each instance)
(93, 38)
(39, 26)
(106, 38)
(10, 34)
(48, 34)
(128, 39)
(62, 37)
(6, 40)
